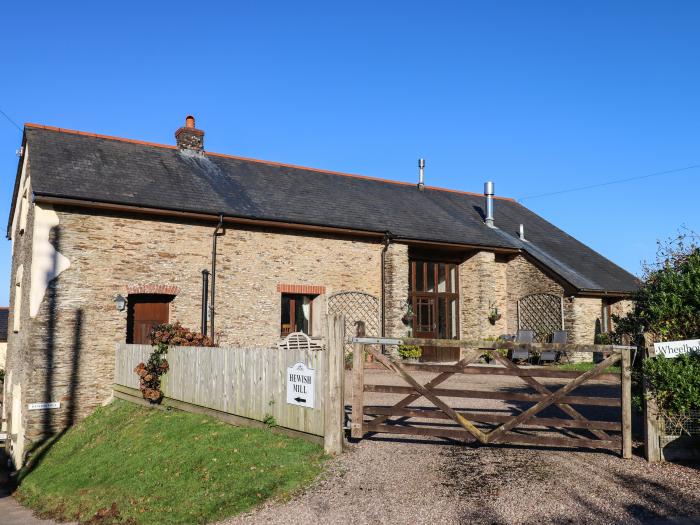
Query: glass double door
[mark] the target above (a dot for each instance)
(435, 301)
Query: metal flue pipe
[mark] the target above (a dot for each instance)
(488, 193)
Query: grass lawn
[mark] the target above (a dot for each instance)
(131, 464)
(585, 367)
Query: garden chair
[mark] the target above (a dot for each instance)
(523, 336)
(558, 337)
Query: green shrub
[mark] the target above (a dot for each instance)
(410, 351)
(667, 303)
(673, 383)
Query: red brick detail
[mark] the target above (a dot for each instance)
(164, 289)
(306, 289)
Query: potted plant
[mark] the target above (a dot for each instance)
(410, 353)
(407, 318)
(494, 315)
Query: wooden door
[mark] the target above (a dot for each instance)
(145, 312)
(435, 300)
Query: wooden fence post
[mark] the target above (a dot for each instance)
(334, 403)
(626, 365)
(358, 387)
(652, 446)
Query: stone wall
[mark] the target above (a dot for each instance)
(524, 278)
(19, 368)
(396, 289)
(620, 308)
(482, 283)
(66, 353)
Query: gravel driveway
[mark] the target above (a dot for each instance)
(394, 479)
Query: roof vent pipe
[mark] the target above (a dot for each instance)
(522, 232)
(488, 193)
(421, 178)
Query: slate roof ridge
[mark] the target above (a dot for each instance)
(261, 161)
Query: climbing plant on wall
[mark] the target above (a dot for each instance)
(162, 337)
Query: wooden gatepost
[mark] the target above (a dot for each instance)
(335, 407)
(652, 431)
(505, 428)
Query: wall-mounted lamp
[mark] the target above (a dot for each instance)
(120, 302)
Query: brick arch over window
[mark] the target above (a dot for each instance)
(541, 312)
(152, 289)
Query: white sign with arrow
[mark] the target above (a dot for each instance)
(300, 385)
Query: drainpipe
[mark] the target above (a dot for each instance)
(386, 241)
(205, 299)
(217, 232)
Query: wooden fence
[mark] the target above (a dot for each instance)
(250, 382)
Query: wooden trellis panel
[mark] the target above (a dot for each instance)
(355, 306)
(542, 313)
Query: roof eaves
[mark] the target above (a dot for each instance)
(18, 175)
(92, 204)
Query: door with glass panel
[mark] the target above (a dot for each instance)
(435, 301)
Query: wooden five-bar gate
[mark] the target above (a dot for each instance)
(492, 428)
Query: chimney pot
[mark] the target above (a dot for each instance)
(190, 138)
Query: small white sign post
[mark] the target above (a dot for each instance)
(44, 406)
(676, 348)
(301, 381)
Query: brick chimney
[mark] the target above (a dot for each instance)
(189, 137)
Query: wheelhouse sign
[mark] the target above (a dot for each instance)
(676, 348)
(301, 381)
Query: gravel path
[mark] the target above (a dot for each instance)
(386, 480)
(409, 482)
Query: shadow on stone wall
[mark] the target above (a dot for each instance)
(55, 423)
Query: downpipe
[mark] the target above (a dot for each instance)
(212, 310)
(386, 241)
(205, 300)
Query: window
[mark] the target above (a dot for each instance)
(434, 298)
(434, 292)
(23, 211)
(17, 308)
(296, 313)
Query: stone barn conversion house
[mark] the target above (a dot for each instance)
(97, 218)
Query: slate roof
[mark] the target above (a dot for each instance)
(106, 169)
(4, 315)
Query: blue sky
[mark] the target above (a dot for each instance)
(536, 96)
